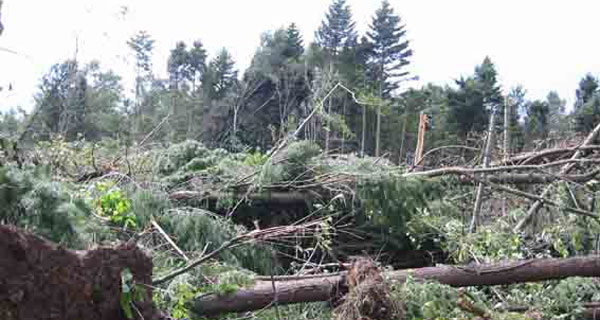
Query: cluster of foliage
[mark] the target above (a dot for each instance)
(30, 199)
(550, 300)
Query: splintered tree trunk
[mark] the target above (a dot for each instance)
(305, 289)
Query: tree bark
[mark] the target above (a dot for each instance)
(324, 288)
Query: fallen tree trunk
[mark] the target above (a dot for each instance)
(325, 288)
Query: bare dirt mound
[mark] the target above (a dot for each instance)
(40, 281)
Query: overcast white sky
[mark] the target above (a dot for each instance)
(542, 44)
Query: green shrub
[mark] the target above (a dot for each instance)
(112, 203)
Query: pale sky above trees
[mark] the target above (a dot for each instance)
(543, 45)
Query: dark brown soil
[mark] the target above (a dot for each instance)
(40, 281)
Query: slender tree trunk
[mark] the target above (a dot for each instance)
(324, 288)
(506, 149)
(364, 131)
(486, 163)
(344, 119)
(235, 114)
(378, 129)
(327, 128)
(378, 133)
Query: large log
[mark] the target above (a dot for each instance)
(325, 288)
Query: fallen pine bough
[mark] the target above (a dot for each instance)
(329, 287)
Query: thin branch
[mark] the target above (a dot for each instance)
(169, 240)
(538, 198)
(469, 171)
(564, 170)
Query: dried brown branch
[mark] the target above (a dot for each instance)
(264, 235)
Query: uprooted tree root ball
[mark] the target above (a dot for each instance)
(368, 296)
(40, 281)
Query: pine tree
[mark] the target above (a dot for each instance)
(587, 105)
(588, 87)
(142, 45)
(196, 63)
(221, 75)
(537, 119)
(390, 51)
(389, 56)
(177, 65)
(475, 98)
(295, 44)
(337, 29)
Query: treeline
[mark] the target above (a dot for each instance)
(208, 99)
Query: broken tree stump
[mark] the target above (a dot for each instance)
(39, 280)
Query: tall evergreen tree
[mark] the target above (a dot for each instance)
(177, 65)
(390, 55)
(390, 51)
(337, 29)
(196, 63)
(221, 75)
(142, 45)
(537, 119)
(588, 87)
(295, 44)
(475, 98)
(587, 105)
(517, 104)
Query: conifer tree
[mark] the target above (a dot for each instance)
(389, 56)
(177, 65)
(295, 44)
(475, 98)
(390, 49)
(337, 29)
(196, 63)
(587, 105)
(221, 75)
